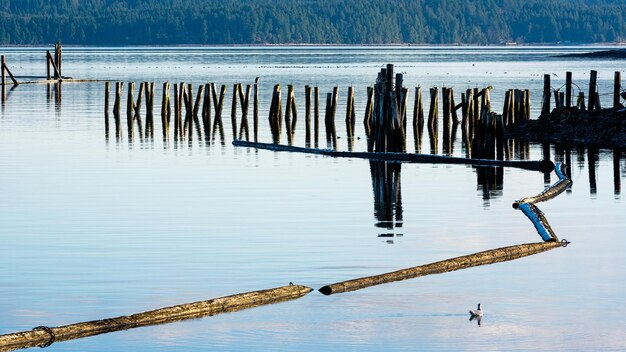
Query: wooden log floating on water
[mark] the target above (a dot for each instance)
(550, 192)
(542, 165)
(44, 336)
(491, 256)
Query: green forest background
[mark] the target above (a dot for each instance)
(163, 22)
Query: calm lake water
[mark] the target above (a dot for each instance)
(92, 227)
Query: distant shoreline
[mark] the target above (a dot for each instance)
(268, 45)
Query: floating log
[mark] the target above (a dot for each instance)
(45, 336)
(550, 192)
(491, 256)
(542, 165)
(536, 216)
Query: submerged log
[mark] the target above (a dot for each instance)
(44, 336)
(542, 165)
(467, 261)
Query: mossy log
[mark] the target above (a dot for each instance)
(44, 336)
(542, 165)
(467, 261)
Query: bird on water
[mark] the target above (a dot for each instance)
(477, 313)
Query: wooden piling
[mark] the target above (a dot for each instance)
(107, 87)
(218, 104)
(149, 109)
(526, 104)
(418, 119)
(48, 65)
(350, 114)
(491, 256)
(130, 110)
(54, 65)
(44, 336)
(256, 109)
(307, 114)
(617, 88)
(369, 110)
(233, 110)
(288, 125)
(165, 110)
(592, 90)
(434, 108)
(316, 115)
(244, 98)
(547, 92)
(206, 112)
(568, 89)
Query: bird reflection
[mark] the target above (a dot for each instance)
(387, 195)
(478, 319)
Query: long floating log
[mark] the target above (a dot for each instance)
(542, 165)
(550, 192)
(467, 261)
(44, 336)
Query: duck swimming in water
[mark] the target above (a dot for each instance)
(477, 313)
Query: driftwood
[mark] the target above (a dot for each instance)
(467, 261)
(44, 336)
(542, 165)
(552, 191)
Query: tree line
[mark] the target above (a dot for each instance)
(168, 22)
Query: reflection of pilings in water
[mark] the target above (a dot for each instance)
(592, 157)
(386, 185)
(490, 180)
(491, 256)
(545, 147)
(617, 181)
(45, 336)
(552, 191)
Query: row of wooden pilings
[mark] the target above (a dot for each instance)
(385, 115)
(565, 99)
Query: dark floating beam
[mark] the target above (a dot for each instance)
(542, 165)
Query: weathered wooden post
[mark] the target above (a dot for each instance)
(617, 87)
(418, 119)
(206, 112)
(350, 115)
(165, 110)
(288, 114)
(592, 90)
(545, 109)
(527, 104)
(369, 110)
(307, 114)
(245, 102)
(130, 110)
(434, 107)
(107, 87)
(218, 104)
(2, 65)
(233, 110)
(256, 109)
(48, 76)
(316, 116)
(568, 89)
